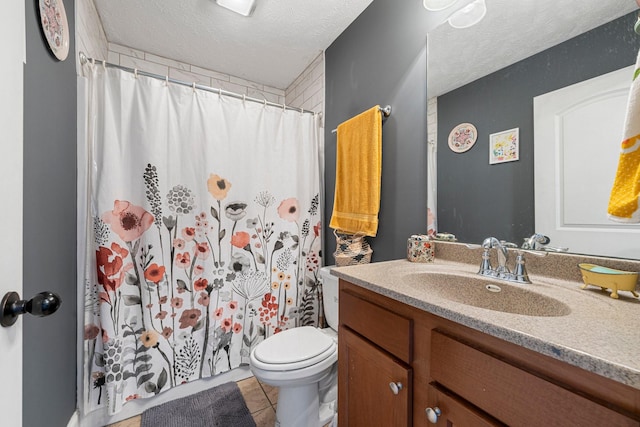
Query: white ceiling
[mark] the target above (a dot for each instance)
(512, 30)
(271, 47)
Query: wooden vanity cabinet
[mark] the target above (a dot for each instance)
(474, 379)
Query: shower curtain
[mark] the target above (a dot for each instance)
(202, 233)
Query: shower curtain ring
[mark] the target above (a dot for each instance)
(104, 64)
(284, 107)
(244, 98)
(193, 85)
(135, 72)
(166, 80)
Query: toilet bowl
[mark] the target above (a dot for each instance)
(301, 362)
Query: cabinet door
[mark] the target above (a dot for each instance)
(455, 412)
(365, 395)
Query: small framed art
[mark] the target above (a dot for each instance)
(504, 146)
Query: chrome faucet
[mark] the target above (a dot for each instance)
(540, 242)
(502, 271)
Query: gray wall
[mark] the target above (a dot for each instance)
(475, 199)
(381, 59)
(49, 359)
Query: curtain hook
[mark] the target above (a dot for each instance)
(244, 98)
(193, 85)
(284, 107)
(301, 111)
(219, 93)
(135, 72)
(166, 80)
(104, 64)
(265, 102)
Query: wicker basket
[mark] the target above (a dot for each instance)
(351, 249)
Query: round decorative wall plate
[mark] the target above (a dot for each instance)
(53, 19)
(462, 137)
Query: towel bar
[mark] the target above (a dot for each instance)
(386, 112)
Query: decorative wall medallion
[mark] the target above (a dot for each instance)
(462, 137)
(53, 19)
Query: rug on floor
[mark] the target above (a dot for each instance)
(221, 406)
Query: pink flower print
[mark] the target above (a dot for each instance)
(200, 284)
(317, 228)
(289, 210)
(204, 299)
(241, 239)
(166, 332)
(198, 270)
(178, 244)
(218, 313)
(176, 302)
(227, 324)
(183, 260)
(154, 273)
(188, 233)
(202, 216)
(163, 300)
(161, 315)
(189, 318)
(128, 221)
(237, 327)
(233, 306)
(91, 332)
(202, 250)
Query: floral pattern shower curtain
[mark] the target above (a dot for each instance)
(203, 233)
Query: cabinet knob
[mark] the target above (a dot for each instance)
(395, 387)
(433, 414)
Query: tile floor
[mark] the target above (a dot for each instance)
(261, 400)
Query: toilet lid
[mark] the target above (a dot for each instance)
(293, 345)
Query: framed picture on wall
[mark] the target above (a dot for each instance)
(504, 146)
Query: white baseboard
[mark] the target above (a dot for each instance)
(74, 421)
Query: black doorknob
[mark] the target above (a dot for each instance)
(43, 304)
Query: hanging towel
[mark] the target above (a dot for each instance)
(358, 171)
(623, 202)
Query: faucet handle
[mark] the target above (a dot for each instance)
(521, 252)
(473, 245)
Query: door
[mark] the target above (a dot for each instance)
(12, 40)
(578, 131)
(374, 388)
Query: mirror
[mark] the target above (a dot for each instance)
(488, 75)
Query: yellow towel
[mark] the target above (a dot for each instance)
(358, 171)
(623, 202)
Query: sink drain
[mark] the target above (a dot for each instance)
(493, 288)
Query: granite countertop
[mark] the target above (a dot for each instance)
(597, 333)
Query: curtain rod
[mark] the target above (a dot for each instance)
(386, 112)
(84, 60)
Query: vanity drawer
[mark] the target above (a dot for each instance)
(509, 393)
(387, 329)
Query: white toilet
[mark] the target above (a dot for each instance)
(302, 362)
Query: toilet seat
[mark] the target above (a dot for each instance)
(293, 349)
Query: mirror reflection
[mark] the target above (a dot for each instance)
(488, 75)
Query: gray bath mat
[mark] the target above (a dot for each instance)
(221, 406)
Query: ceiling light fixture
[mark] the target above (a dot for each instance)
(436, 5)
(469, 15)
(243, 7)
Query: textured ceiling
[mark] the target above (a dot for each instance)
(271, 47)
(511, 31)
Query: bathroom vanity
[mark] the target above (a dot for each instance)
(411, 355)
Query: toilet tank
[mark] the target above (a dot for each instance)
(330, 296)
